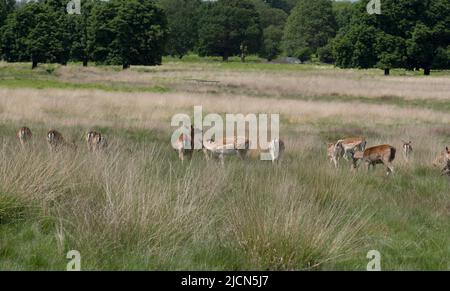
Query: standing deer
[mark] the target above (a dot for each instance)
(230, 146)
(382, 154)
(407, 150)
(96, 141)
(334, 153)
(24, 136)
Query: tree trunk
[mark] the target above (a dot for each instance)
(426, 71)
(387, 72)
(225, 56)
(85, 62)
(125, 66)
(34, 64)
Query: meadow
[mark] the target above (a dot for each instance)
(137, 207)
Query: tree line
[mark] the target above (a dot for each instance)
(410, 34)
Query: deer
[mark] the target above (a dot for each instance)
(96, 141)
(230, 146)
(345, 148)
(184, 145)
(407, 149)
(382, 154)
(24, 136)
(56, 141)
(334, 153)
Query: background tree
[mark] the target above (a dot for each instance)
(408, 34)
(127, 32)
(32, 33)
(77, 28)
(6, 7)
(343, 12)
(182, 16)
(272, 38)
(272, 22)
(225, 25)
(309, 27)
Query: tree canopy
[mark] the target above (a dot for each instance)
(309, 27)
(228, 25)
(408, 34)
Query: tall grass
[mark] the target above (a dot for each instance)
(144, 202)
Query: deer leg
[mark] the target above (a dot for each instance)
(181, 155)
(389, 168)
(335, 162)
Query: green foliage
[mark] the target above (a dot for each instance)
(310, 25)
(127, 32)
(226, 25)
(356, 47)
(33, 33)
(408, 34)
(272, 42)
(6, 7)
(326, 54)
(285, 5)
(343, 11)
(182, 18)
(273, 21)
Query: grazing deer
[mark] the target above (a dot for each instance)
(276, 150)
(382, 154)
(184, 145)
(407, 149)
(96, 141)
(234, 146)
(349, 145)
(24, 135)
(56, 141)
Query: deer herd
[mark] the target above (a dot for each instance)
(351, 149)
(55, 140)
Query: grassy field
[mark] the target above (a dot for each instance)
(136, 207)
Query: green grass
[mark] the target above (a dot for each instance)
(53, 84)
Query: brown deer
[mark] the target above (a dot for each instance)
(96, 141)
(407, 150)
(382, 154)
(56, 141)
(334, 153)
(24, 136)
(228, 146)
